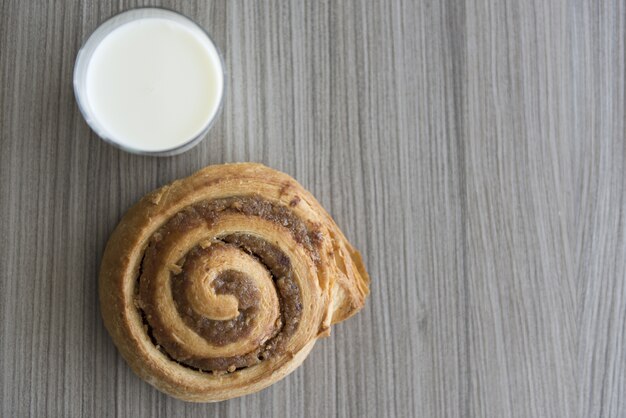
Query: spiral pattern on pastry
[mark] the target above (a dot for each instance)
(218, 285)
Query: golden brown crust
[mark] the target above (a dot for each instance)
(207, 324)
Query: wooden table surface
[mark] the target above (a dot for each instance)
(474, 151)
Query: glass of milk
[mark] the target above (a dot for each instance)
(149, 81)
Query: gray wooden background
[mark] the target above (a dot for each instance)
(473, 150)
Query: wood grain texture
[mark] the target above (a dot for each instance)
(473, 150)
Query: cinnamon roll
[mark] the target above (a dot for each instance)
(219, 284)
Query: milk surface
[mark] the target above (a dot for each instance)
(154, 84)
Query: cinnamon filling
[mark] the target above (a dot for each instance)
(228, 282)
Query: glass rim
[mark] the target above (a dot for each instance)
(104, 29)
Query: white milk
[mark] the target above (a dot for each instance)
(154, 84)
